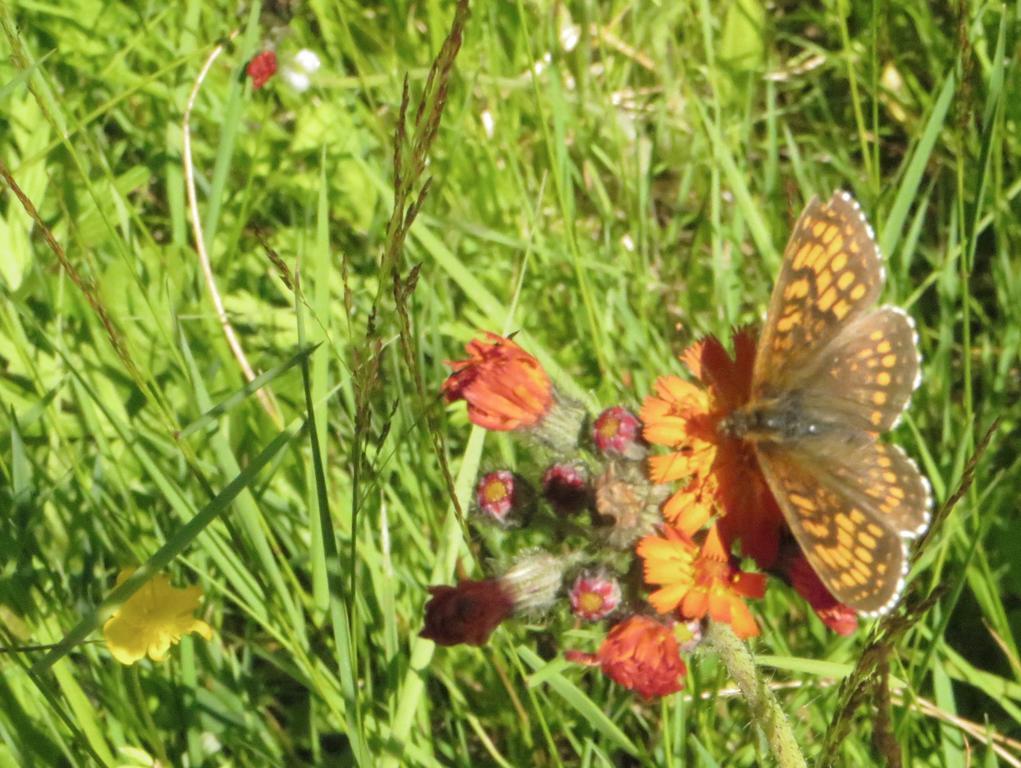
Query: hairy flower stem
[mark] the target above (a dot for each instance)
(765, 709)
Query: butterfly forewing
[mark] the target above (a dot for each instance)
(831, 273)
(855, 552)
(867, 374)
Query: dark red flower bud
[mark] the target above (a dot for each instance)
(566, 487)
(467, 613)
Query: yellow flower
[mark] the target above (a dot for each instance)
(153, 619)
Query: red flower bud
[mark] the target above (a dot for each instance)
(502, 496)
(840, 618)
(594, 596)
(467, 613)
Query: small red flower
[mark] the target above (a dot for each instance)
(566, 488)
(594, 596)
(467, 613)
(841, 618)
(642, 655)
(618, 432)
(699, 580)
(261, 68)
(504, 386)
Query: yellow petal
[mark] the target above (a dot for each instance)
(152, 620)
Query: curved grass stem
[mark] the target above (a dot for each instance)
(765, 709)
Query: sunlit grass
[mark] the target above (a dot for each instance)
(611, 181)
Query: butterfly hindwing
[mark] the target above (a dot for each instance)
(857, 554)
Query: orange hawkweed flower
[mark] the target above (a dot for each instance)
(504, 386)
(642, 655)
(721, 475)
(698, 580)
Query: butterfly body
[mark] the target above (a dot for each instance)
(780, 420)
(832, 372)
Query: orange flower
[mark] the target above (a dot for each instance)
(721, 474)
(504, 386)
(699, 580)
(642, 655)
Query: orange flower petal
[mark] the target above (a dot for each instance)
(688, 509)
(742, 620)
(676, 390)
(750, 584)
(666, 561)
(666, 599)
(695, 604)
(665, 430)
(719, 605)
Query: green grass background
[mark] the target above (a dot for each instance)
(644, 165)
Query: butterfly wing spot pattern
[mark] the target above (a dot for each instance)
(831, 373)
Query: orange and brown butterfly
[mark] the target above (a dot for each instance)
(832, 372)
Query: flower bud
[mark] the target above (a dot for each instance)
(467, 613)
(534, 581)
(503, 497)
(565, 486)
(261, 68)
(594, 595)
(618, 432)
(627, 503)
(640, 654)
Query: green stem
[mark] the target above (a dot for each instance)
(765, 709)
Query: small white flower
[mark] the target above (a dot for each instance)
(299, 81)
(308, 61)
(488, 123)
(298, 72)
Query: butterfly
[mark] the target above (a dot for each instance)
(832, 372)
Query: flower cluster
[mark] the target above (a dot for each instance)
(705, 546)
